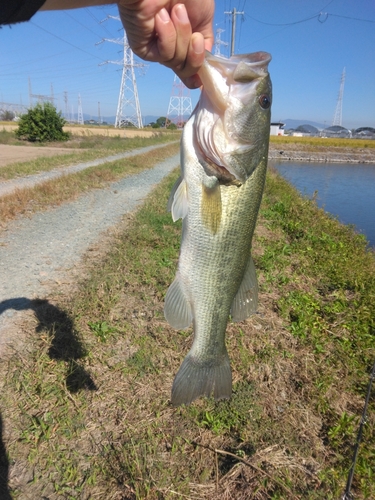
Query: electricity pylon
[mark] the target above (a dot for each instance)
(337, 119)
(219, 42)
(80, 112)
(128, 107)
(180, 107)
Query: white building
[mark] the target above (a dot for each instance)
(277, 128)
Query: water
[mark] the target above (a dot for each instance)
(345, 190)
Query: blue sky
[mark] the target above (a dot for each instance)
(311, 41)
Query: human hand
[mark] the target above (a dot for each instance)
(171, 32)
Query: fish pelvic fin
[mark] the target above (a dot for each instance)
(177, 310)
(211, 209)
(197, 377)
(178, 202)
(245, 302)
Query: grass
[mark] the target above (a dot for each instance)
(67, 187)
(87, 148)
(86, 407)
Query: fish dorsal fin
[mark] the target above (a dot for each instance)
(177, 310)
(245, 303)
(178, 203)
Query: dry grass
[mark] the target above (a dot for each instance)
(51, 193)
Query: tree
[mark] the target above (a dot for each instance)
(42, 123)
(6, 115)
(161, 121)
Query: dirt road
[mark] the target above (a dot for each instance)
(14, 154)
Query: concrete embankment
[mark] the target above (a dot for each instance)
(301, 152)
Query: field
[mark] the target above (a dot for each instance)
(85, 405)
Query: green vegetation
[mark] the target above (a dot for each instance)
(42, 123)
(86, 408)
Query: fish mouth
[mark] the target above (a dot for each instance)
(229, 85)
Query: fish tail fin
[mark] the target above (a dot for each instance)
(197, 378)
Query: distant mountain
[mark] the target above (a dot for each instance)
(292, 124)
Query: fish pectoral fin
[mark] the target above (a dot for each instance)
(211, 207)
(178, 202)
(245, 303)
(177, 310)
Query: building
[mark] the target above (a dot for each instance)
(277, 128)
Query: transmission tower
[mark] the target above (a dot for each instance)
(79, 113)
(180, 107)
(337, 119)
(67, 116)
(128, 107)
(219, 42)
(40, 97)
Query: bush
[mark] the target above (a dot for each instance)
(42, 123)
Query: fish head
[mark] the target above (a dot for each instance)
(233, 115)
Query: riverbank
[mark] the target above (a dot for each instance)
(300, 151)
(95, 378)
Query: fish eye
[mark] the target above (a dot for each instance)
(264, 101)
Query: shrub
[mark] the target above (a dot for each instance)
(42, 123)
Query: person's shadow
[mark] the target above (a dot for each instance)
(65, 343)
(4, 467)
(65, 346)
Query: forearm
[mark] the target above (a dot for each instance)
(73, 4)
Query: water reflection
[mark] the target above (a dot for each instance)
(345, 190)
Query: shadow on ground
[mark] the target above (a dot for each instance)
(65, 344)
(4, 467)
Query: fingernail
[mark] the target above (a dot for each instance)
(181, 13)
(193, 82)
(164, 16)
(197, 43)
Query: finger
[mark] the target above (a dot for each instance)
(182, 25)
(165, 48)
(194, 61)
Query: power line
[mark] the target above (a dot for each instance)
(322, 17)
(66, 41)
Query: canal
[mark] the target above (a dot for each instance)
(345, 190)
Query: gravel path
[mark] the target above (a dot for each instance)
(7, 187)
(37, 252)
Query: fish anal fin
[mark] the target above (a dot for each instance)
(178, 203)
(177, 310)
(211, 208)
(245, 302)
(197, 378)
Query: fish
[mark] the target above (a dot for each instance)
(223, 163)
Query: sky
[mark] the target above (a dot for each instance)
(311, 42)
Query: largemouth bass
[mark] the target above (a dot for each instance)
(224, 149)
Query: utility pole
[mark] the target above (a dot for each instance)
(99, 119)
(234, 13)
